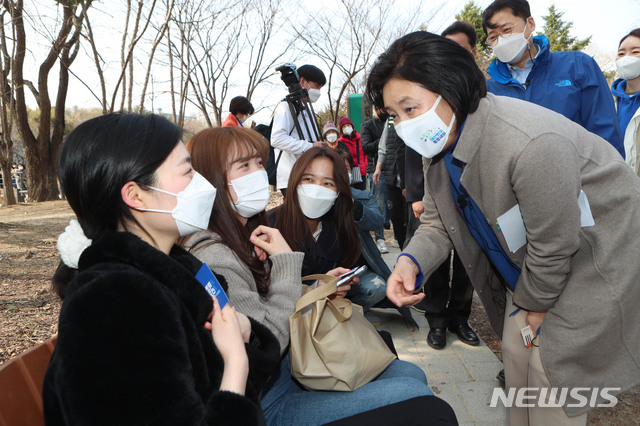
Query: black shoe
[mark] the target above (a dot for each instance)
(465, 334)
(387, 226)
(437, 337)
(500, 377)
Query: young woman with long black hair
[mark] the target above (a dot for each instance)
(140, 341)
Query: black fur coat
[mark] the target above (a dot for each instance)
(132, 347)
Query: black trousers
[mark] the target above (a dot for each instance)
(397, 212)
(446, 305)
(412, 224)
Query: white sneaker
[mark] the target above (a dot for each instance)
(382, 246)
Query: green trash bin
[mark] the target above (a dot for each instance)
(359, 110)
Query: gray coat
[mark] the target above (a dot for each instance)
(585, 278)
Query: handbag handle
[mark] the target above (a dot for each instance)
(320, 293)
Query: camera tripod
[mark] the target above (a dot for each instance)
(298, 103)
(297, 99)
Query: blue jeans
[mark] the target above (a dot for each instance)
(286, 403)
(371, 289)
(380, 192)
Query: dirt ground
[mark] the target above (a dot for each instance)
(29, 309)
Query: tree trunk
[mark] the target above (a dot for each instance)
(41, 151)
(42, 183)
(8, 197)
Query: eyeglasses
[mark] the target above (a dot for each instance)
(504, 33)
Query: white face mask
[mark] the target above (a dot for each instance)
(427, 133)
(314, 95)
(332, 137)
(628, 67)
(510, 49)
(243, 119)
(347, 130)
(193, 209)
(253, 193)
(315, 200)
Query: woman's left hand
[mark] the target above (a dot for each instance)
(534, 320)
(343, 289)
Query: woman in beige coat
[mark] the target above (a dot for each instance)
(544, 215)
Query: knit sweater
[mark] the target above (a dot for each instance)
(273, 310)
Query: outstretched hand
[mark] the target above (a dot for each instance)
(401, 284)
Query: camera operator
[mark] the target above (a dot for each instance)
(285, 137)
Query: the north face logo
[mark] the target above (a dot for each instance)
(563, 83)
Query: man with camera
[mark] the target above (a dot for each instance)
(291, 136)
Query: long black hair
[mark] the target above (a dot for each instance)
(437, 64)
(293, 224)
(98, 158)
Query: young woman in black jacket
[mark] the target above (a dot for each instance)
(140, 341)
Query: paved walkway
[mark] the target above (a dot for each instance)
(462, 375)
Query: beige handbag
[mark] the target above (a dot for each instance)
(333, 346)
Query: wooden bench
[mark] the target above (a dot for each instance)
(21, 381)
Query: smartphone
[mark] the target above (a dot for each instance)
(348, 276)
(211, 284)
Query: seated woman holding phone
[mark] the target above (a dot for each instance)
(263, 273)
(320, 220)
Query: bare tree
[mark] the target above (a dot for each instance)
(41, 151)
(7, 106)
(138, 19)
(160, 35)
(181, 89)
(346, 42)
(348, 39)
(264, 20)
(209, 43)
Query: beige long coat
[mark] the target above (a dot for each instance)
(587, 279)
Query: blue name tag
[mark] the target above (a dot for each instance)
(211, 284)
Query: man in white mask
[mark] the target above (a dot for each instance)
(288, 144)
(569, 83)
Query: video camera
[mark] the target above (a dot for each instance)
(290, 77)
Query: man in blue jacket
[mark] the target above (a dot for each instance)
(569, 83)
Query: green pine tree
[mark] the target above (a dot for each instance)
(557, 31)
(472, 13)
